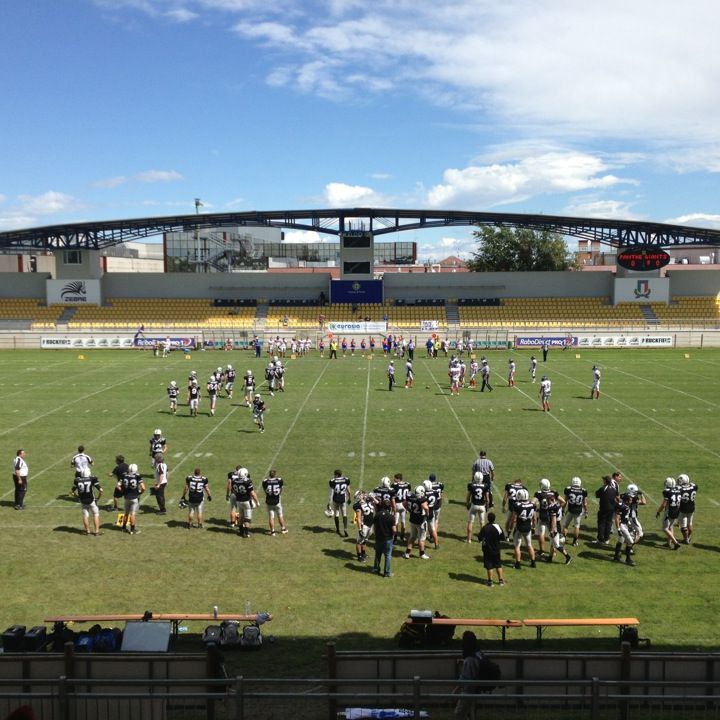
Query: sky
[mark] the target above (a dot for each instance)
(133, 108)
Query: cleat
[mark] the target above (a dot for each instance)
(533, 564)
(630, 561)
(424, 556)
(616, 558)
(517, 566)
(502, 582)
(568, 559)
(284, 531)
(406, 555)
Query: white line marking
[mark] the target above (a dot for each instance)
(364, 430)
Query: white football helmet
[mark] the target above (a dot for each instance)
(669, 483)
(219, 370)
(544, 484)
(478, 477)
(193, 373)
(576, 482)
(385, 482)
(157, 431)
(427, 484)
(632, 488)
(359, 494)
(229, 367)
(173, 383)
(522, 494)
(132, 469)
(683, 479)
(249, 373)
(420, 491)
(243, 473)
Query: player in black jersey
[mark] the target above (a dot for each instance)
(243, 497)
(273, 485)
(384, 491)
(229, 381)
(87, 489)
(196, 489)
(688, 493)
(576, 508)
(476, 503)
(670, 506)
(401, 489)
(339, 498)
(625, 527)
(158, 444)
(212, 388)
(557, 540)
(364, 509)
(121, 467)
(249, 387)
(509, 502)
(523, 524)
(173, 391)
(194, 398)
(259, 408)
(418, 512)
(132, 486)
(543, 498)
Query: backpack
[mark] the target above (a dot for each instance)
(230, 633)
(439, 634)
(485, 669)
(251, 637)
(107, 640)
(410, 635)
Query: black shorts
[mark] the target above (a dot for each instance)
(491, 560)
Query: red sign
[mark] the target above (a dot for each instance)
(643, 257)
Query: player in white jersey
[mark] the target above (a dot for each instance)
(533, 368)
(595, 390)
(409, 375)
(511, 373)
(545, 390)
(80, 461)
(455, 379)
(474, 368)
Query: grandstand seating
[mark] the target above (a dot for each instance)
(551, 312)
(161, 314)
(32, 310)
(695, 311)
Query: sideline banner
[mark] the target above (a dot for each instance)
(85, 342)
(73, 292)
(540, 340)
(641, 290)
(428, 325)
(178, 343)
(644, 341)
(356, 327)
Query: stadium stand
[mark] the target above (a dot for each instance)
(695, 311)
(158, 313)
(30, 310)
(549, 312)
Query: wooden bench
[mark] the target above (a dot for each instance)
(174, 618)
(471, 622)
(540, 624)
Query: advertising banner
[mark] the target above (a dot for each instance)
(73, 292)
(178, 343)
(348, 328)
(643, 341)
(429, 325)
(356, 291)
(85, 342)
(540, 340)
(641, 290)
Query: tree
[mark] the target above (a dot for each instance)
(519, 250)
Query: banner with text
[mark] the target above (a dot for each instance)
(176, 343)
(73, 292)
(356, 291)
(85, 342)
(641, 290)
(340, 328)
(643, 341)
(540, 340)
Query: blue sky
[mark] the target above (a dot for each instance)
(130, 108)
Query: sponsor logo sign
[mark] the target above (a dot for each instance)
(540, 340)
(73, 292)
(645, 341)
(356, 327)
(178, 343)
(86, 341)
(429, 325)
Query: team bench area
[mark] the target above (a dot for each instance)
(426, 618)
(174, 618)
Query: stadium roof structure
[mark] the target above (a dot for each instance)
(99, 234)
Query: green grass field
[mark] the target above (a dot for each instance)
(658, 416)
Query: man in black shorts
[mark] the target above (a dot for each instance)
(121, 467)
(490, 537)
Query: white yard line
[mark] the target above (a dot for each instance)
(364, 428)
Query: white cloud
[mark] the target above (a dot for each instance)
(704, 220)
(597, 208)
(49, 203)
(147, 176)
(480, 186)
(342, 195)
(182, 15)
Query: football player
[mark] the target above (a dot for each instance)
(434, 489)
(80, 461)
(418, 511)
(671, 507)
(231, 495)
(637, 499)
(624, 525)
(258, 408)
(87, 489)
(401, 491)
(595, 390)
(543, 498)
(364, 509)
(339, 497)
(279, 375)
(173, 392)
(509, 503)
(246, 500)
(409, 374)
(476, 503)
(194, 398)
(545, 390)
(511, 373)
(121, 467)
(270, 378)
(158, 444)
(161, 480)
(557, 539)
(273, 487)
(249, 387)
(213, 385)
(132, 487)
(688, 493)
(575, 509)
(391, 375)
(229, 381)
(485, 375)
(533, 368)
(474, 368)
(385, 491)
(523, 523)
(197, 488)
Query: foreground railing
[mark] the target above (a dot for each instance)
(259, 698)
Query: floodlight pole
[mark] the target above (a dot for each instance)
(198, 205)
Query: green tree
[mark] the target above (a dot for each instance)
(519, 249)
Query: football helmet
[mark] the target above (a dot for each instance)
(219, 369)
(544, 377)
(576, 482)
(427, 484)
(385, 482)
(249, 373)
(173, 383)
(359, 494)
(420, 491)
(132, 469)
(193, 373)
(211, 379)
(243, 473)
(328, 512)
(544, 484)
(632, 489)
(669, 483)
(229, 367)
(182, 504)
(478, 477)
(275, 358)
(157, 431)
(683, 479)
(257, 396)
(522, 494)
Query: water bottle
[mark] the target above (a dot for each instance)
(248, 608)
(215, 611)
